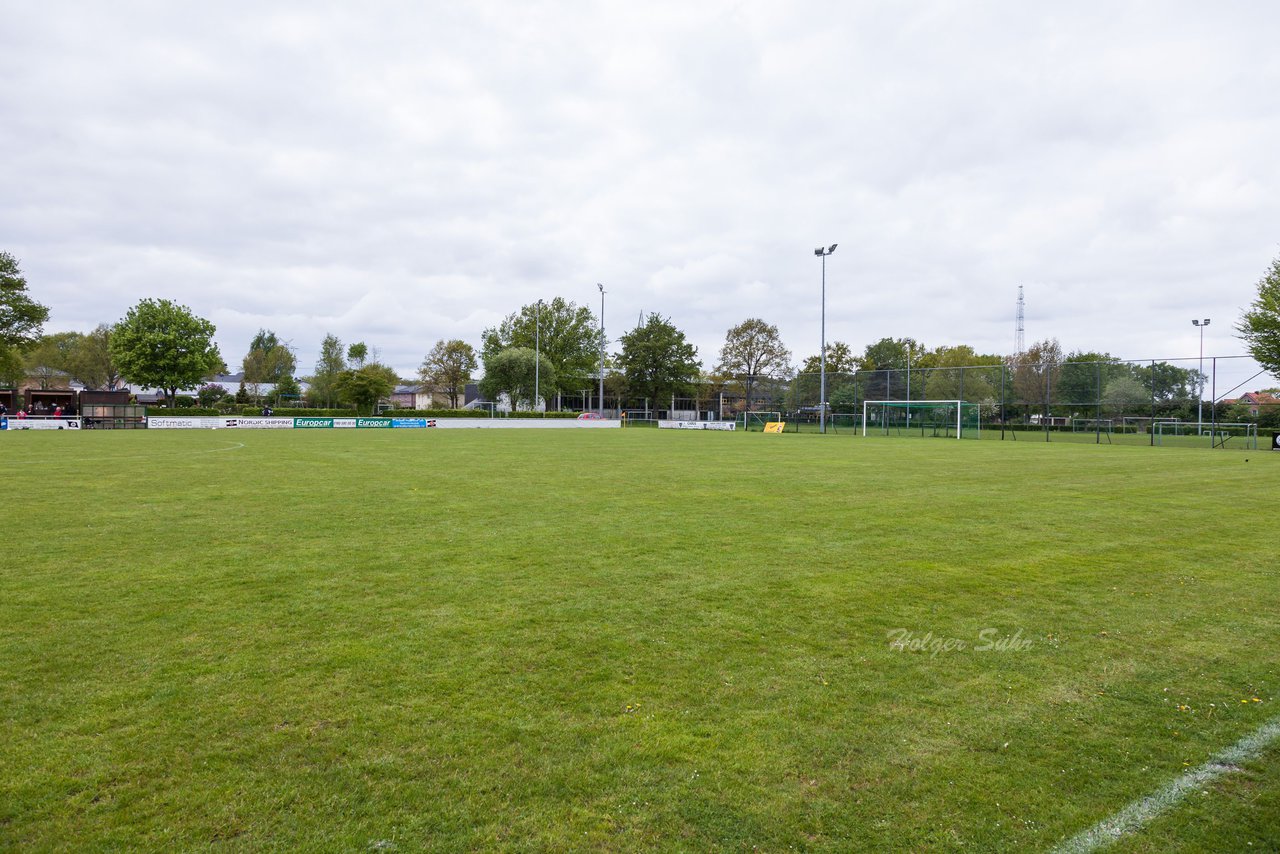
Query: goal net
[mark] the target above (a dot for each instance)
(755, 421)
(953, 419)
(1231, 434)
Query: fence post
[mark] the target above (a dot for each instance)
(1213, 403)
(1097, 423)
(1151, 429)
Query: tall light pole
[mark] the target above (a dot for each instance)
(1200, 393)
(822, 391)
(601, 287)
(537, 352)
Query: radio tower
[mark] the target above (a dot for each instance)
(1019, 334)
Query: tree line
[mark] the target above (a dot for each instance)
(555, 348)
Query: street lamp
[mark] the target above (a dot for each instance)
(601, 287)
(1200, 395)
(537, 352)
(822, 391)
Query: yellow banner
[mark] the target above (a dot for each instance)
(775, 426)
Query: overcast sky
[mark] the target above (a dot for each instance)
(399, 173)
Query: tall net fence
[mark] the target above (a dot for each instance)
(1222, 401)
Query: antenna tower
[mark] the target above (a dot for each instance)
(1020, 325)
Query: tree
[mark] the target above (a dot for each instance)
(49, 359)
(566, 334)
(511, 372)
(269, 360)
(21, 318)
(329, 367)
(957, 373)
(1260, 325)
(357, 353)
(1035, 374)
(1125, 394)
(287, 387)
(366, 385)
(91, 362)
(1166, 383)
(447, 369)
(657, 361)
(886, 362)
(752, 351)
(161, 344)
(210, 394)
(841, 366)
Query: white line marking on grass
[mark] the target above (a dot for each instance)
(1138, 813)
(235, 446)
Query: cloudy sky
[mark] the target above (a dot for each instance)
(403, 172)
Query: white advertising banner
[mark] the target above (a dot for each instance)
(696, 425)
(263, 423)
(42, 423)
(186, 423)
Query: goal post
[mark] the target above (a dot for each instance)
(949, 418)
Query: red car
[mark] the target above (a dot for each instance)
(591, 416)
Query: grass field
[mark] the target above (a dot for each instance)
(621, 640)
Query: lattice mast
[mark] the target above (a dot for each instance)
(1020, 325)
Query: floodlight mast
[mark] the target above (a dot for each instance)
(1200, 379)
(822, 390)
(601, 401)
(537, 351)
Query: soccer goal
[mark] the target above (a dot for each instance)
(755, 421)
(1224, 434)
(945, 418)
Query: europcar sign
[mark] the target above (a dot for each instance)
(305, 423)
(373, 422)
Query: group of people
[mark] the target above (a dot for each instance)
(39, 410)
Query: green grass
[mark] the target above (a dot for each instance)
(640, 639)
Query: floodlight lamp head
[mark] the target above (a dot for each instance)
(833, 248)
(818, 251)
(1206, 321)
(600, 286)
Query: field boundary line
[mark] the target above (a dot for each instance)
(1140, 812)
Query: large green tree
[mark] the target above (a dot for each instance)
(1034, 375)
(1260, 325)
(957, 372)
(511, 372)
(91, 362)
(21, 318)
(269, 360)
(657, 361)
(161, 344)
(886, 363)
(841, 366)
(323, 389)
(753, 352)
(448, 368)
(367, 385)
(567, 335)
